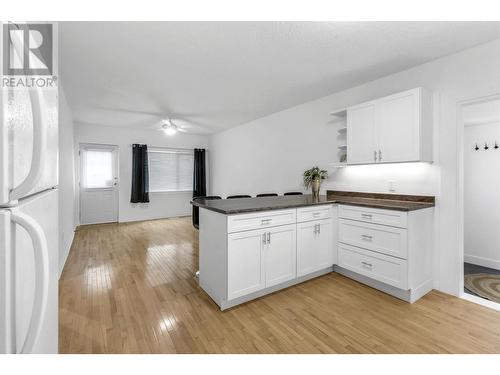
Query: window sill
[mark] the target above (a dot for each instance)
(171, 192)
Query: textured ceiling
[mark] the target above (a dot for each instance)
(215, 75)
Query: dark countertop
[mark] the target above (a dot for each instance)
(242, 205)
(384, 201)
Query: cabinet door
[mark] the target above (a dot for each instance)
(306, 247)
(361, 145)
(245, 263)
(398, 127)
(315, 247)
(324, 247)
(281, 255)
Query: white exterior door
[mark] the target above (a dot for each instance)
(361, 146)
(99, 184)
(280, 254)
(398, 127)
(245, 264)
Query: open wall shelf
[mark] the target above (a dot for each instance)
(340, 120)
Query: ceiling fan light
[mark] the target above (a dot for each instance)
(170, 129)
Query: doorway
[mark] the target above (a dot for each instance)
(480, 184)
(99, 184)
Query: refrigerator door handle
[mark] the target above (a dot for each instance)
(39, 141)
(41, 256)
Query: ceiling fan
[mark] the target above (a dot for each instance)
(170, 128)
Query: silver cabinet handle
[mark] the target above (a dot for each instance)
(319, 228)
(264, 238)
(367, 264)
(315, 228)
(366, 216)
(315, 214)
(375, 155)
(366, 237)
(265, 221)
(268, 237)
(379, 155)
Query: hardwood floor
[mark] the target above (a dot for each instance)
(129, 288)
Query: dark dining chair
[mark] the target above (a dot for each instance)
(238, 196)
(267, 195)
(293, 193)
(196, 210)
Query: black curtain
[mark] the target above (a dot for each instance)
(199, 181)
(140, 174)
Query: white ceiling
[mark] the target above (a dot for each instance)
(216, 75)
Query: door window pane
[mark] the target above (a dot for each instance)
(98, 169)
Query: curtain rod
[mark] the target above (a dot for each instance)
(171, 148)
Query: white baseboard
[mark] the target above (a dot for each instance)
(62, 261)
(480, 261)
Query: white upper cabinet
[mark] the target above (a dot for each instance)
(396, 128)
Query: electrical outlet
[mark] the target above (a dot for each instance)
(392, 186)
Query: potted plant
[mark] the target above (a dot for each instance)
(313, 177)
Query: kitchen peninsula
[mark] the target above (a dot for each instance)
(251, 247)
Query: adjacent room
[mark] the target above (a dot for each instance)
(259, 187)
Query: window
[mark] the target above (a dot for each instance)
(170, 170)
(97, 169)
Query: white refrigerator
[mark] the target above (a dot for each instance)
(29, 221)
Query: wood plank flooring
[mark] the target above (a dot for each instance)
(130, 288)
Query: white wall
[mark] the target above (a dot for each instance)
(67, 205)
(482, 195)
(269, 154)
(161, 205)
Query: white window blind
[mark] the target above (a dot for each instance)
(170, 170)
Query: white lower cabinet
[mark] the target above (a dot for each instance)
(245, 262)
(280, 255)
(390, 270)
(259, 259)
(262, 258)
(391, 250)
(314, 246)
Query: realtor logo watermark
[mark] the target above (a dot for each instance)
(29, 55)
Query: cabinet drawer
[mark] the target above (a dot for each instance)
(314, 213)
(383, 239)
(374, 215)
(389, 270)
(237, 223)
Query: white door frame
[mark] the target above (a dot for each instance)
(97, 146)
(461, 213)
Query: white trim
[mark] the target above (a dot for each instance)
(67, 250)
(481, 261)
(460, 196)
(480, 301)
(170, 191)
